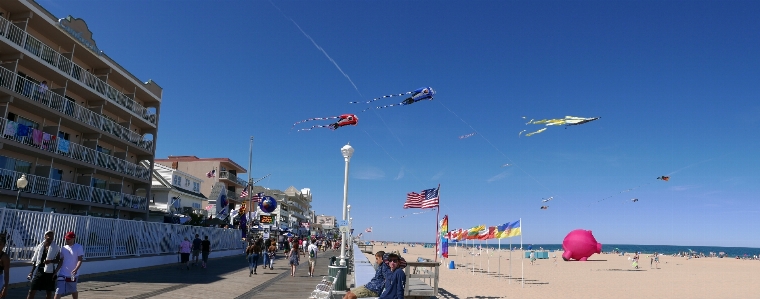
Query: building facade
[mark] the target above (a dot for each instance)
(174, 192)
(75, 124)
(210, 171)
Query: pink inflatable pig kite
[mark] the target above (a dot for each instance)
(579, 245)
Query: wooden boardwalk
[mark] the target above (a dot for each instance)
(225, 277)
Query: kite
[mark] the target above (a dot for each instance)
(533, 133)
(343, 120)
(567, 121)
(664, 178)
(544, 207)
(505, 165)
(634, 199)
(467, 136)
(422, 93)
(548, 199)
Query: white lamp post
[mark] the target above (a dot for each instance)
(347, 151)
(20, 184)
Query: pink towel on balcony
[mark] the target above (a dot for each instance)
(37, 137)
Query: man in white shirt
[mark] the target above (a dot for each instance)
(68, 268)
(312, 251)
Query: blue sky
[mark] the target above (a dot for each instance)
(674, 82)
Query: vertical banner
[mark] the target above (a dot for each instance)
(444, 240)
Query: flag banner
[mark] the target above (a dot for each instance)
(472, 234)
(244, 194)
(211, 173)
(369, 229)
(509, 229)
(426, 199)
(443, 231)
(257, 197)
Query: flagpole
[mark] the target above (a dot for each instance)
(250, 188)
(523, 255)
(437, 214)
(510, 261)
(499, 259)
(488, 263)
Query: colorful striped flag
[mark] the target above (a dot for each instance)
(443, 231)
(244, 194)
(509, 229)
(427, 199)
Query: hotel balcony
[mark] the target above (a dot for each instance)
(32, 46)
(25, 88)
(52, 144)
(65, 190)
(232, 177)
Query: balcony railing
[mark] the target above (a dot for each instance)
(53, 100)
(103, 237)
(55, 188)
(232, 177)
(37, 48)
(51, 143)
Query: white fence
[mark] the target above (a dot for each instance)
(104, 237)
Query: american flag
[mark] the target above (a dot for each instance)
(244, 194)
(424, 200)
(257, 197)
(211, 173)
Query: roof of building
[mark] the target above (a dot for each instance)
(162, 176)
(239, 168)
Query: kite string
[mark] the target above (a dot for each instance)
(389, 155)
(496, 148)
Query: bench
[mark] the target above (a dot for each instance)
(324, 289)
(421, 279)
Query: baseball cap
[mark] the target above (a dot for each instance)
(70, 235)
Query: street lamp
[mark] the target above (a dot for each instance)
(20, 184)
(347, 151)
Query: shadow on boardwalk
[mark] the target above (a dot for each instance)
(225, 277)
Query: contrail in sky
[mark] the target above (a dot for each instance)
(318, 47)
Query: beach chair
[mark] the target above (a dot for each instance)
(324, 289)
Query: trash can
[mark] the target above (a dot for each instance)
(340, 284)
(451, 265)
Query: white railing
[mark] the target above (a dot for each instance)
(75, 151)
(55, 188)
(37, 48)
(53, 100)
(105, 237)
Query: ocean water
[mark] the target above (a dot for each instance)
(644, 249)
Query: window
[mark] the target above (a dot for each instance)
(63, 135)
(103, 150)
(22, 166)
(24, 121)
(177, 180)
(98, 183)
(56, 174)
(196, 187)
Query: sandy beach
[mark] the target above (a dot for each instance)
(603, 276)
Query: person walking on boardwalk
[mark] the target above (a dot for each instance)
(395, 281)
(313, 250)
(184, 252)
(271, 254)
(196, 249)
(293, 259)
(5, 266)
(253, 251)
(205, 250)
(44, 258)
(265, 250)
(68, 269)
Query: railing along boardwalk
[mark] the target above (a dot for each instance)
(421, 279)
(105, 237)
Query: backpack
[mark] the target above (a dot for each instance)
(312, 254)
